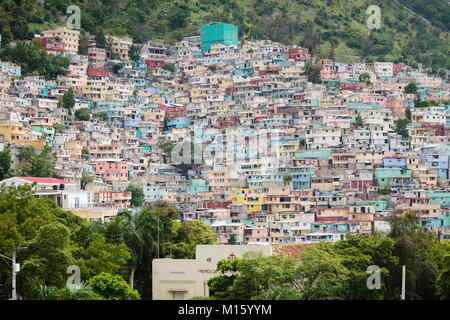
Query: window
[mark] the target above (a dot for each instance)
(178, 295)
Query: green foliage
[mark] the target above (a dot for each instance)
(185, 237)
(59, 127)
(313, 73)
(35, 163)
(47, 257)
(100, 256)
(134, 53)
(117, 67)
(40, 291)
(41, 225)
(101, 116)
(339, 271)
(358, 121)
(137, 195)
(68, 100)
(364, 77)
(443, 282)
(33, 60)
(411, 88)
(113, 287)
(385, 191)
(408, 114)
(139, 233)
(169, 67)
(83, 114)
(85, 151)
(5, 163)
(400, 127)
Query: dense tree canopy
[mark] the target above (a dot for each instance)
(340, 270)
(83, 114)
(35, 61)
(36, 163)
(137, 195)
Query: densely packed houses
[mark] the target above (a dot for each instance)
(236, 136)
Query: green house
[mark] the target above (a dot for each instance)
(314, 154)
(218, 32)
(380, 205)
(384, 174)
(197, 185)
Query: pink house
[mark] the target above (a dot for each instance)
(325, 72)
(381, 100)
(112, 169)
(256, 235)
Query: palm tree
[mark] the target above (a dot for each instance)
(139, 232)
(41, 291)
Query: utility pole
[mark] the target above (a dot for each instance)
(403, 282)
(15, 269)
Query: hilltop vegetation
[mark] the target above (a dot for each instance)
(330, 28)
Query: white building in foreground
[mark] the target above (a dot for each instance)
(182, 279)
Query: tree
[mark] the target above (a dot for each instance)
(358, 121)
(100, 39)
(134, 53)
(184, 238)
(47, 257)
(400, 127)
(364, 77)
(5, 163)
(83, 114)
(36, 164)
(113, 233)
(117, 67)
(85, 180)
(408, 114)
(169, 67)
(69, 100)
(139, 233)
(357, 253)
(302, 143)
(232, 239)
(34, 60)
(443, 281)
(420, 252)
(313, 73)
(113, 287)
(59, 127)
(411, 88)
(219, 285)
(40, 291)
(317, 274)
(137, 195)
(100, 256)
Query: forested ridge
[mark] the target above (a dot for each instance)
(330, 28)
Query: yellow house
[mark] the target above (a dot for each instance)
(70, 37)
(253, 200)
(120, 46)
(426, 176)
(75, 149)
(13, 132)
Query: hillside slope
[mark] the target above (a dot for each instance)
(330, 28)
